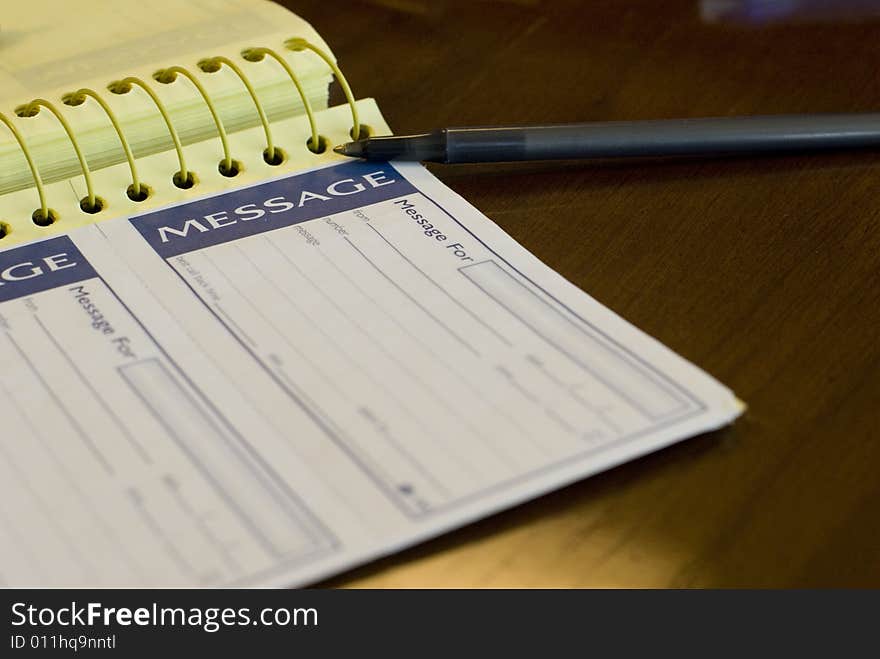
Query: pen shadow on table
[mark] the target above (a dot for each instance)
(563, 522)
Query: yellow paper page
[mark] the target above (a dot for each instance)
(97, 42)
(47, 45)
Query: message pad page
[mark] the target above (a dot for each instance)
(273, 384)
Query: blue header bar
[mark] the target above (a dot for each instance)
(41, 266)
(268, 206)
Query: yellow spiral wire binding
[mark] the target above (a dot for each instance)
(184, 178)
(123, 87)
(46, 215)
(136, 191)
(257, 55)
(90, 204)
(169, 75)
(214, 64)
(298, 44)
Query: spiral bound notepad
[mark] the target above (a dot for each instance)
(230, 357)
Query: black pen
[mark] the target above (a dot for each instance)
(620, 139)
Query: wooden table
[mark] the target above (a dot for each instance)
(763, 271)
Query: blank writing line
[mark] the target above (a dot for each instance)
(413, 300)
(597, 412)
(125, 431)
(443, 290)
(158, 532)
(624, 388)
(189, 403)
(280, 371)
(304, 405)
(50, 518)
(332, 381)
(72, 482)
(73, 422)
(26, 552)
(451, 408)
(255, 463)
(463, 463)
(226, 315)
(174, 487)
(502, 414)
(465, 381)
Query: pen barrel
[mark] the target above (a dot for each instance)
(666, 137)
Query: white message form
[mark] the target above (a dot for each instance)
(270, 385)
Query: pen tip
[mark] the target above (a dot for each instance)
(350, 149)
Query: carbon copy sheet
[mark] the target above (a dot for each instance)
(269, 385)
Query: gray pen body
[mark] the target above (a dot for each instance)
(668, 137)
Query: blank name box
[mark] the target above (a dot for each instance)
(578, 341)
(262, 505)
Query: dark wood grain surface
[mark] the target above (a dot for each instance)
(763, 271)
